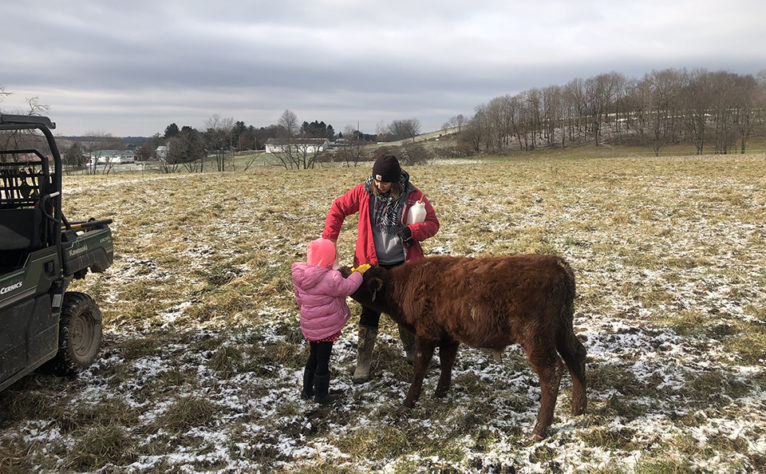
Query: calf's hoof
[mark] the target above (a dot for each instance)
(539, 432)
(578, 407)
(404, 411)
(440, 392)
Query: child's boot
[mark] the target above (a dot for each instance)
(308, 384)
(322, 388)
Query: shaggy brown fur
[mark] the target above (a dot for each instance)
(488, 302)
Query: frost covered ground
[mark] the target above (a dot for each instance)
(202, 354)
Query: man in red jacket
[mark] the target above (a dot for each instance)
(383, 202)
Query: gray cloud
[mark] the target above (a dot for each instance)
(131, 68)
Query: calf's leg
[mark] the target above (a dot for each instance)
(408, 342)
(573, 353)
(548, 366)
(447, 355)
(424, 353)
(570, 349)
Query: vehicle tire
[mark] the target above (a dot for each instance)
(79, 334)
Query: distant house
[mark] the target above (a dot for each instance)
(25, 158)
(298, 145)
(112, 157)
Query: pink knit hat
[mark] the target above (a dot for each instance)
(321, 252)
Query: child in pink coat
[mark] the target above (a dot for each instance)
(321, 292)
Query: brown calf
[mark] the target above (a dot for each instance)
(488, 302)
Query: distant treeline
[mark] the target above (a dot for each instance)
(721, 110)
(710, 110)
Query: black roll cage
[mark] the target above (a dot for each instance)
(49, 200)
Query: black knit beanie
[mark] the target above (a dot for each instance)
(387, 169)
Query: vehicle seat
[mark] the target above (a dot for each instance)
(21, 229)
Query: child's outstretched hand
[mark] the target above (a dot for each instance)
(361, 268)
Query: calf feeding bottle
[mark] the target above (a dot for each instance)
(417, 212)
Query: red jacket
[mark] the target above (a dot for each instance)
(358, 200)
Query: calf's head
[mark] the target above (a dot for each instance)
(371, 291)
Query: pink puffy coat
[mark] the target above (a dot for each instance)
(321, 296)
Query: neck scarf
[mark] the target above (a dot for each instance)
(386, 211)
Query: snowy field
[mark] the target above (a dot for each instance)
(202, 358)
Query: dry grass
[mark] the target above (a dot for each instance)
(203, 352)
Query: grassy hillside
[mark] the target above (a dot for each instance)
(201, 364)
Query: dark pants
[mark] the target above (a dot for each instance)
(369, 317)
(319, 360)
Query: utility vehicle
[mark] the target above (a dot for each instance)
(41, 252)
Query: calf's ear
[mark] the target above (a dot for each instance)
(375, 284)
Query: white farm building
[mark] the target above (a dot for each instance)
(112, 157)
(298, 145)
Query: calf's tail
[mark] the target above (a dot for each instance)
(567, 345)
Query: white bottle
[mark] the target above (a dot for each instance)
(417, 212)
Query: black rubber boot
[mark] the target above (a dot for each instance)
(322, 389)
(308, 384)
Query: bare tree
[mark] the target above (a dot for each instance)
(747, 107)
(601, 92)
(473, 135)
(666, 107)
(552, 113)
(186, 149)
(617, 102)
(404, 129)
(532, 110)
(383, 132)
(294, 150)
(697, 99)
(35, 107)
(74, 156)
(655, 102)
(99, 144)
(300, 152)
(723, 110)
(246, 140)
(288, 131)
(3, 93)
(577, 109)
(22, 136)
(219, 137)
(309, 152)
(458, 121)
(350, 151)
(146, 152)
(289, 123)
(501, 113)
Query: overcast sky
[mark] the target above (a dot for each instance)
(132, 68)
